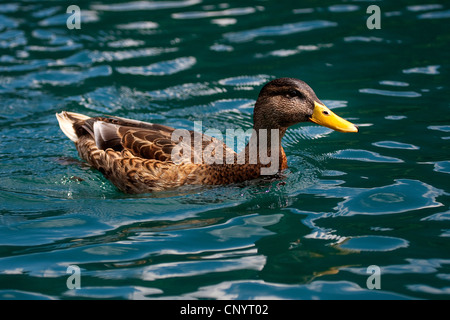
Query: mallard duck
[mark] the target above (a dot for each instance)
(138, 157)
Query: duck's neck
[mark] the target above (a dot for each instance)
(264, 149)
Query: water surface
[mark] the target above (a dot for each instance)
(348, 201)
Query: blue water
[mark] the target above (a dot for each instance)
(347, 201)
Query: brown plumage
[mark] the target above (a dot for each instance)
(138, 157)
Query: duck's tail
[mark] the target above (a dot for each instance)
(66, 123)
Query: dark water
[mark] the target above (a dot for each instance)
(348, 201)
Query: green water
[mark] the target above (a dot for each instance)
(347, 201)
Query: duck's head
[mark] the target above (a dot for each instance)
(286, 101)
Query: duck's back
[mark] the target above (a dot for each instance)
(139, 157)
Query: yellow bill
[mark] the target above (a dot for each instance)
(327, 118)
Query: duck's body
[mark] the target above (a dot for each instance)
(138, 157)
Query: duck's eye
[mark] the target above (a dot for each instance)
(293, 94)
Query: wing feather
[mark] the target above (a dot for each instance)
(147, 140)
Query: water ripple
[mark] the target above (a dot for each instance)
(435, 15)
(160, 68)
(291, 52)
(111, 100)
(209, 14)
(343, 8)
(12, 39)
(395, 117)
(285, 29)
(139, 25)
(23, 295)
(186, 91)
(440, 216)
(125, 43)
(373, 243)
(7, 23)
(58, 78)
(114, 292)
(442, 166)
(412, 266)
(395, 145)
(444, 128)
(224, 22)
(362, 39)
(9, 7)
(46, 12)
(364, 155)
(239, 81)
(403, 196)
(196, 268)
(244, 290)
(307, 234)
(61, 19)
(401, 94)
(424, 7)
(424, 70)
(394, 83)
(85, 57)
(144, 5)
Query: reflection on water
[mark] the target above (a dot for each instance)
(395, 145)
(326, 290)
(364, 155)
(285, 29)
(346, 202)
(403, 196)
(374, 243)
